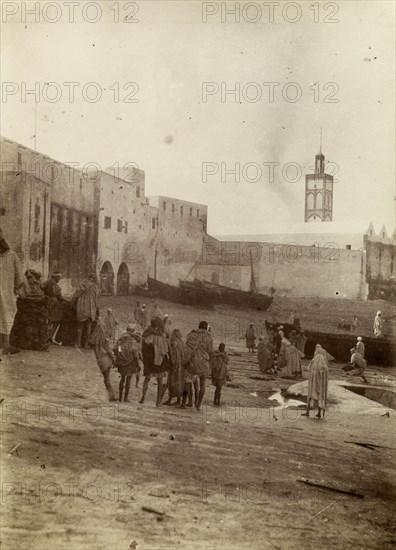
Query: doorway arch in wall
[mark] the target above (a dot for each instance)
(107, 279)
(123, 280)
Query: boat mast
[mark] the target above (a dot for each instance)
(253, 287)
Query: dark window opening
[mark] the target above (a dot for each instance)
(107, 222)
(181, 211)
(119, 226)
(126, 227)
(191, 211)
(138, 192)
(164, 206)
(152, 223)
(37, 218)
(19, 159)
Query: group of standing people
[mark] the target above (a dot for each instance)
(179, 367)
(276, 351)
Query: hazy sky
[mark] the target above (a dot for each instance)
(170, 132)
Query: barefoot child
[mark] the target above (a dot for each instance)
(220, 374)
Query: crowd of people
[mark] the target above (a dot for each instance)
(278, 353)
(180, 368)
(150, 345)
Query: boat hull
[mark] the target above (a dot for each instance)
(378, 351)
(187, 296)
(230, 296)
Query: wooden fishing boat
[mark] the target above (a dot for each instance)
(226, 295)
(378, 351)
(190, 296)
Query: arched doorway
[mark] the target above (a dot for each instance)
(123, 280)
(107, 279)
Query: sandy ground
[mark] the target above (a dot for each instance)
(82, 473)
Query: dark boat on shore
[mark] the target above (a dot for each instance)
(189, 296)
(378, 351)
(230, 296)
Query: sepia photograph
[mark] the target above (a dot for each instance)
(197, 275)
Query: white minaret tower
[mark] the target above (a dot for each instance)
(319, 192)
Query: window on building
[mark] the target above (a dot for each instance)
(137, 192)
(173, 208)
(19, 159)
(191, 211)
(107, 222)
(2, 211)
(181, 211)
(37, 218)
(197, 213)
(52, 173)
(126, 227)
(119, 226)
(164, 206)
(152, 223)
(80, 183)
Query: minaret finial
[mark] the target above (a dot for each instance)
(320, 139)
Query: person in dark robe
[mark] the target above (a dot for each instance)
(250, 337)
(56, 303)
(358, 363)
(155, 351)
(199, 346)
(86, 302)
(220, 373)
(265, 355)
(136, 312)
(104, 355)
(127, 360)
(178, 358)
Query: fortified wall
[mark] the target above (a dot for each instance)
(290, 269)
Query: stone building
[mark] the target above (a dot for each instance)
(58, 217)
(180, 236)
(77, 221)
(48, 213)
